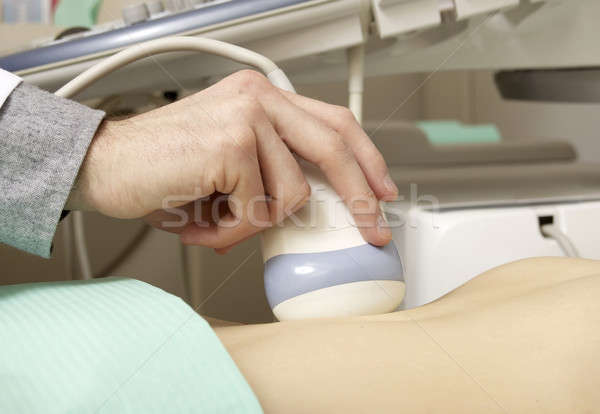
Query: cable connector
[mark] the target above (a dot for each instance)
(550, 230)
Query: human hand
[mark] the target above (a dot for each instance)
(221, 150)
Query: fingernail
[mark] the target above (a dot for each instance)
(390, 185)
(383, 229)
(222, 251)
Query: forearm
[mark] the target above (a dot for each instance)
(43, 141)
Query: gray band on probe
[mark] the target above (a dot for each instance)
(291, 275)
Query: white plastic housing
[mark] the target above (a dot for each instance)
(393, 17)
(443, 250)
(350, 299)
(469, 8)
(324, 224)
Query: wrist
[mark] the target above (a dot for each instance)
(86, 190)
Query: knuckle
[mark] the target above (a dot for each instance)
(372, 153)
(338, 148)
(305, 190)
(297, 198)
(345, 114)
(301, 192)
(344, 118)
(250, 80)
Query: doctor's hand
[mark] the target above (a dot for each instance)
(220, 151)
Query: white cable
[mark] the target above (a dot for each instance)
(80, 246)
(68, 247)
(176, 44)
(568, 248)
(143, 50)
(356, 79)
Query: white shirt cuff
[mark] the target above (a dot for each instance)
(8, 82)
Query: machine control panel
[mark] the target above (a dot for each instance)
(155, 7)
(141, 22)
(135, 13)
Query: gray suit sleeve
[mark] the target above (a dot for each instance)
(43, 141)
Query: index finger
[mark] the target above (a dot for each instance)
(368, 156)
(319, 144)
